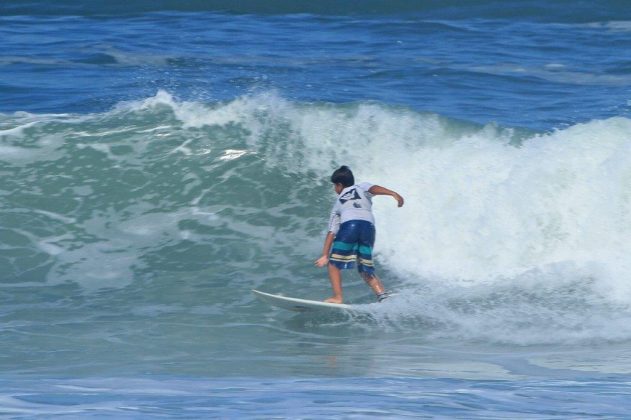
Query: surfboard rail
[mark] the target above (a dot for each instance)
(297, 304)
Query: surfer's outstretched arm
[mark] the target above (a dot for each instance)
(379, 190)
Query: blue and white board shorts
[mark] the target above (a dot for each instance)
(353, 244)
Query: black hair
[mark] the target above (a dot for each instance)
(343, 175)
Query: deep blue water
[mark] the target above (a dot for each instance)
(159, 159)
(513, 70)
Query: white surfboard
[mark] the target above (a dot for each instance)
(299, 305)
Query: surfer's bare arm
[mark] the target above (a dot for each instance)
(379, 190)
(326, 250)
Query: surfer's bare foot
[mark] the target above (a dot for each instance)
(334, 299)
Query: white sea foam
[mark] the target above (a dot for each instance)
(13, 151)
(17, 131)
(557, 73)
(545, 218)
(478, 206)
(613, 26)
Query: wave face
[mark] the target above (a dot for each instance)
(162, 206)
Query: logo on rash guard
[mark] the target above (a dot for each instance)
(350, 196)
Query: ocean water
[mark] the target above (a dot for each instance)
(160, 159)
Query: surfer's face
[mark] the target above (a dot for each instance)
(338, 188)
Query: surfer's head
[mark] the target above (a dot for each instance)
(344, 176)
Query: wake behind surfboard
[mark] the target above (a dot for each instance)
(299, 305)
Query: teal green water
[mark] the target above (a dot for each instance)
(132, 239)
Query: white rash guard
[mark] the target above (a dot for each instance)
(353, 203)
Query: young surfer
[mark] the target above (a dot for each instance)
(351, 234)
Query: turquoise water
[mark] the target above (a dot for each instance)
(159, 161)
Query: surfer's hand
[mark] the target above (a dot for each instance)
(322, 261)
(399, 199)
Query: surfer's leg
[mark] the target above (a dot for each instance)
(374, 282)
(335, 276)
(365, 263)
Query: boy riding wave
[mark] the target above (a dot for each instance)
(351, 234)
